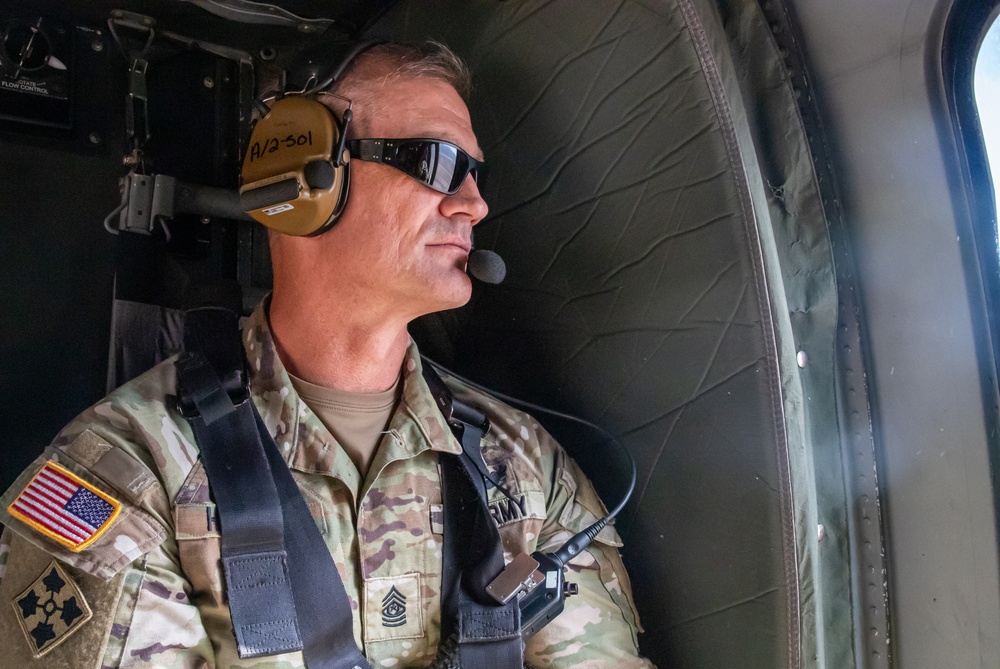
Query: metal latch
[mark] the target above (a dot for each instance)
(517, 579)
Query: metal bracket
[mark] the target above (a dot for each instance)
(136, 217)
(147, 199)
(137, 104)
(151, 199)
(133, 21)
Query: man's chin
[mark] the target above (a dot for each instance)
(443, 295)
(458, 295)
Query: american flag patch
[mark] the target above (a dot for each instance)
(64, 507)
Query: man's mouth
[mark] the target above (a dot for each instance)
(459, 245)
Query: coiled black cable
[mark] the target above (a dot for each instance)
(581, 540)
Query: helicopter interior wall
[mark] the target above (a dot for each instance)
(65, 274)
(57, 270)
(653, 192)
(877, 69)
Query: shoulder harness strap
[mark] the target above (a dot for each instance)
(476, 629)
(285, 593)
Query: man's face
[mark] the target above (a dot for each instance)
(405, 244)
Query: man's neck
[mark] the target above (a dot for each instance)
(340, 345)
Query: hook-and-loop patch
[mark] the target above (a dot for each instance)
(393, 608)
(50, 610)
(64, 507)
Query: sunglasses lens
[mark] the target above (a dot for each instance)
(414, 158)
(441, 166)
(454, 165)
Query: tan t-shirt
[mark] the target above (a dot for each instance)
(357, 420)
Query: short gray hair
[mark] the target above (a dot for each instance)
(404, 60)
(388, 62)
(384, 63)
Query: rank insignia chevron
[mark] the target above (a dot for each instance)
(394, 608)
(50, 610)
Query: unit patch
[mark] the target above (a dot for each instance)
(50, 610)
(64, 507)
(393, 608)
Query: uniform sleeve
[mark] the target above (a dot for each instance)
(599, 626)
(141, 617)
(118, 600)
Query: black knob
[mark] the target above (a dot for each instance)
(26, 48)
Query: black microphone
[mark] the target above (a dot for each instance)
(487, 266)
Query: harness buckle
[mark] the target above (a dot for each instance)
(187, 399)
(517, 579)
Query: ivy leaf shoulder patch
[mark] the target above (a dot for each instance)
(50, 610)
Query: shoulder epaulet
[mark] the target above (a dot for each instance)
(81, 504)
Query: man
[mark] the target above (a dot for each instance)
(338, 384)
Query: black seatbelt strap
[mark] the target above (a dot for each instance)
(487, 634)
(476, 631)
(285, 593)
(326, 621)
(253, 543)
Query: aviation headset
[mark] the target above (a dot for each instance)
(296, 172)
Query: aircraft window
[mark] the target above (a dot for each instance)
(987, 89)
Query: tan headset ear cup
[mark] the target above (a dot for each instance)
(285, 146)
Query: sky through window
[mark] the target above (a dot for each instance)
(987, 87)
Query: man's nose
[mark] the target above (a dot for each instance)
(467, 204)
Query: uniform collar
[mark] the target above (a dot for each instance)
(416, 426)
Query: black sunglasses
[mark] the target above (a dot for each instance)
(433, 162)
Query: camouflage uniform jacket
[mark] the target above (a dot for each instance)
(151, 584)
